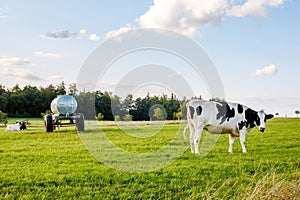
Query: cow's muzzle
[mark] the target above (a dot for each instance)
(261, 129)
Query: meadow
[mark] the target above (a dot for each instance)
(39, 165)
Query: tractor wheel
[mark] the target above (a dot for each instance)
(80, 122)
(48, 123)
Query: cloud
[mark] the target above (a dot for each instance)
(120, 31)
(189, 16)
(253, 7)
(27, 75)
(55, 78)
(267, 70)
(81, 33)
(64, 34)
(183, 16)
(94, 37)
(12, 61)
(20, 74)
(48, 55)
(3, 15)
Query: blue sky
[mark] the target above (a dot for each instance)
(254, 44)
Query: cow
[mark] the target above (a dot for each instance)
(222, 118)
(17, 126)
(13, 127)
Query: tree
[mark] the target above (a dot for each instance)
(72, 89)
(297, 112)
(61, 89)
(158, 114)
(16, 89)
(128, 117)
(103, 104)
(3, 98)
(33, 102)
(99, 117)
(177, 115)
(86, 104)
(3, 115)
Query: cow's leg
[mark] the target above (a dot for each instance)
(192, 135)
(197, 139)
(242, 140)
(231, 142)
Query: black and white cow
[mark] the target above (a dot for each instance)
(222, 118)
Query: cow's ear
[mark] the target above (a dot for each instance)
(270, 116)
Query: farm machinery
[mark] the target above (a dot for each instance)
(63, 109)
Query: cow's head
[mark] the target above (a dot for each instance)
(262, 117)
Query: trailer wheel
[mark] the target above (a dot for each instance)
(48, 123)
(80, 122)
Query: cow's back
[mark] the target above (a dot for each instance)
(216, 117)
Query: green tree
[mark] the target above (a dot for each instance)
(15, 105)
(16, 89)
(33, 101)
(99, 117)
(117, 118)
(128, 117)
(103, 104)
(3, 115)
(72, 89)
(86, 104)
(297, 112)
(158, 114)
(177, 115)
(4, 98)
(61, 89)
(48, 94)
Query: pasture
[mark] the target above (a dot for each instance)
(39, 165)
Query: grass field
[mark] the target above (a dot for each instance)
(39, 165)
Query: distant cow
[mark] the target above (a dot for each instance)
(22, 126)
(16, 127)
(222, 118)
(13, 127)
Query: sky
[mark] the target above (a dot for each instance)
(254, 44)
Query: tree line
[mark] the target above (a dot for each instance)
(31, 101)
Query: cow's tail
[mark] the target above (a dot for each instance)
(188, 121)
(184, 131)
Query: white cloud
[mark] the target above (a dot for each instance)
(189, 16)
(81, 33)
(55, 78)
(267, 70)
(48, 55)
(94, 37)
(253, 7)
(12, 61)
(20, 74)
(120, 31)
(3, 14)
(183, 16)
(64, 34)
(28, 76)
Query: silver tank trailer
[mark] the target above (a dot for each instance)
(63, 109)
(64, 105)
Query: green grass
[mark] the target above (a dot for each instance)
(39, 165)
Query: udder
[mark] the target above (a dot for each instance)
(221, 130)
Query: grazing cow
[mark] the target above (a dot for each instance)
(222, 118)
